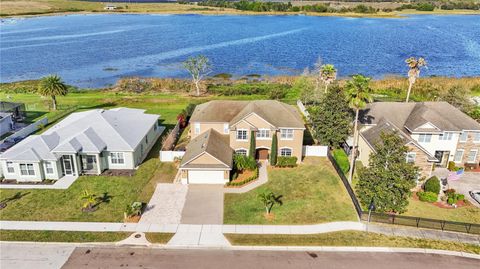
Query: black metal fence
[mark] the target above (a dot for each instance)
(403, 220)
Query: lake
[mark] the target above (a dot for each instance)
(95, 50)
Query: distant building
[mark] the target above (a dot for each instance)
(17, 110)
(110, 7)
(6, 123)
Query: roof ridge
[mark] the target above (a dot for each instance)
(105, 120)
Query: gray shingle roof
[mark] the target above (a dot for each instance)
(119, 129)
(276, 113)
(210, 142)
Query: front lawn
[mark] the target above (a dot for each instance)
(347, 238)
(416, 208)
(62, 236)
(312, 193)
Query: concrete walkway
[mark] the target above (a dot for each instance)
(190, 233)
(262, 179)
(61, 184)
(166, 204)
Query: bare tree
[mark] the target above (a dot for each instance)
(413, 72)
(198, 67)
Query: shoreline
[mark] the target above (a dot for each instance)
(380, 15)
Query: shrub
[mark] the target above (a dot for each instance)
(427, 196)
(245, 181)
(341, 159)
(453, 197)
(432, 185)
(286, 161)
(451, 166)
(277, 93)
(242, 162)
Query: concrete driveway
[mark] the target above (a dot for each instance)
(203, 205)
(166, 204)
(469, 181)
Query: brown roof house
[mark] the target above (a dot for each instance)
(220, 129)
(435, 133)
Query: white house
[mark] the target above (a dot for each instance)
(84, 143)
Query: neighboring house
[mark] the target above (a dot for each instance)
(435, 133)
(6, 123)
(84, 143)
(220, 128)
(17, 110)
(110, 7)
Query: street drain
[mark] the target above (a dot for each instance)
(313, 255)
(138, 235)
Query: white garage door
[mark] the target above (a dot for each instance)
(205, 177)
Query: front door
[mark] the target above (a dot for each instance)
(68, 165)
(262, 154)
(442, 157)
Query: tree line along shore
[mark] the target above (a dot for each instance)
(212, 7)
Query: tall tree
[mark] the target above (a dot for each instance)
(328, 74)
(52, 86)
(389, 178)
(274, 150)
(358, 95)
(414, 66)
(331, 118)
(253, 145)
(198, 67)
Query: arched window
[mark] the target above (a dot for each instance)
(241, 152)
(285, 152)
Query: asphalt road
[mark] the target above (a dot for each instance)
(159, 258)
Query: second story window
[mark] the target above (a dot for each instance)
(197, 127)
(286, 133)
(476, 137)
(263, 134)
(241, 134)
(425, 138)
(445, 136)
(463, 137)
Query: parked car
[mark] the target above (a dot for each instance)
(475, 194)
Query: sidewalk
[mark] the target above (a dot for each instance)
(61, 184)
(191, 234)
(262, 179)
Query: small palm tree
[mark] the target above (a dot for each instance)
(135, 209)
(328, 74)
(52, 86)
(358, 94)
(269, 199)
(414, 66)
(90, 200)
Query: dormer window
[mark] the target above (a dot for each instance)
(425, 138)
(445, 136)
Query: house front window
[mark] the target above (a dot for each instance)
(117, 158)
(425, 138)
(463, 137)
(411, 157)
(472, 156)
(197, 127)
(10, 168)
(26, 169)
(445, 136)
(286, 133)
(48, 168)
(241, 152)
(241, 134)
(263, 134)
(285, 152)
(458, 156)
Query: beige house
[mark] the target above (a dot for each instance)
(221, 128)
(435, 133)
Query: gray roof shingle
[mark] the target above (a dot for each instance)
(212, 143)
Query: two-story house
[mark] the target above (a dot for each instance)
(221, 128)
(435, 133)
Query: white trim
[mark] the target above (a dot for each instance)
(246, 150)
(262, 147)
(248, 115)
(205, 164)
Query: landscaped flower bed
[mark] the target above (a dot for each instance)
(243, 178)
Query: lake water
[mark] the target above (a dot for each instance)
(95, 50)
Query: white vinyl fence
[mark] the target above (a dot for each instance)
(24, 132)
(318, 151)
(303, 109)
(170, 155)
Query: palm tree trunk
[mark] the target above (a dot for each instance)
(54, 102)
(326, 87)
(197, 87)
(354, 148)
(410, 84)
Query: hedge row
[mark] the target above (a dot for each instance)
(245, 181)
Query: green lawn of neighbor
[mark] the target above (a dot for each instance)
(62, 236)
(348, 238)
(312, 193)
(416, 208)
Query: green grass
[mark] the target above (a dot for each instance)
(312, 193)
(159, 238)
(342, 160)
(416, 208)
(62, 236)
(348, 238)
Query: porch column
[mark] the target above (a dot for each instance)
(75, 164)
(99, 168)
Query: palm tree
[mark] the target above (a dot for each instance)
(358, 94)
(90, 200)
(328, 74)
(52, 86)
(414, 66)
(269, 199)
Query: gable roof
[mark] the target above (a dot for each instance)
(120, 129)
(210, 142)
(274, 112)
(413, 116)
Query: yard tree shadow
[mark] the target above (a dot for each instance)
(104, 199)
(15, 197)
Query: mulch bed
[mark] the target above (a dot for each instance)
(14, 182)
(442, 204)
(119, 173)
